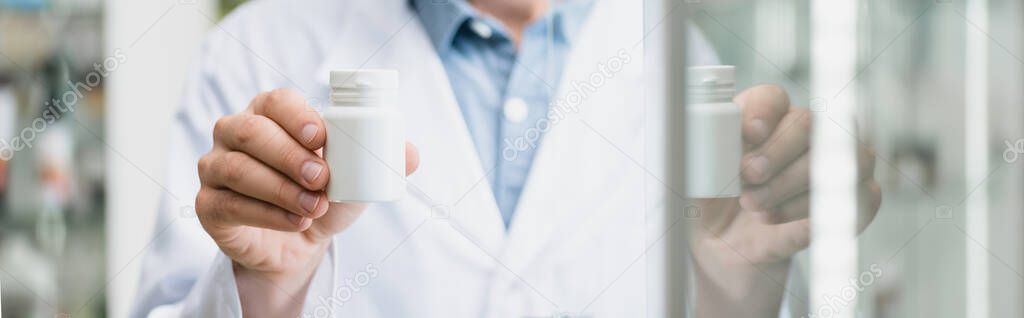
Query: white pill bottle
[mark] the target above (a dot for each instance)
(714, 141)
(365, 147)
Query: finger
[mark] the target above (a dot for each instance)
(786, 239)
(869, 200)
(783, 240)
(793, 209)
(264, 140)
(763, 108)
(412, 158)
(865, 162)
(788, 142)
(291, 111)
(794, 179)
(247, 176)
(219, 208)
(3, 175)
(340, 216)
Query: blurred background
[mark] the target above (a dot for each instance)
(89, 87)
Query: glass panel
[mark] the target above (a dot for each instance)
(916, 103)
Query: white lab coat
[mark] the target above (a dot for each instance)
(586, 232)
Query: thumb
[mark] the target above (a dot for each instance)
(412, 158)
(340, 216)
(715, 214)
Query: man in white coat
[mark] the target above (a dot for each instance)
(562, 228)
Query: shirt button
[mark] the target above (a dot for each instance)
(481, 29)
(515, 110)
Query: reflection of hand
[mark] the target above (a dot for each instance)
(262, 199)
(743, 247)
(3, 176)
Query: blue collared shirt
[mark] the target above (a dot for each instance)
(503, 91)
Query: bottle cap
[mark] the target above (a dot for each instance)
(364, 88)
(712, 75)
(710, 84)
(364, 78)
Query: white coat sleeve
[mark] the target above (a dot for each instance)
(181, 255)
(215, 294)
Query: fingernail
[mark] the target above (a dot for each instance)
(295, 219)
(308, 201)
(311, 170)
(758, 168)
(309, 132)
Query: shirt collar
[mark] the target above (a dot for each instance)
(570, 16)
(443, 19)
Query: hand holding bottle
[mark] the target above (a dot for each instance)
(743, 245)
(262, 198)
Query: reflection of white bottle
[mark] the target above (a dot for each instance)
(365, 147)
(714, 144)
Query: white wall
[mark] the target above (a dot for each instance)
(159, 39)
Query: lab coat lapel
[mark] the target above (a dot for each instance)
(450, 182)
(571, 169)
